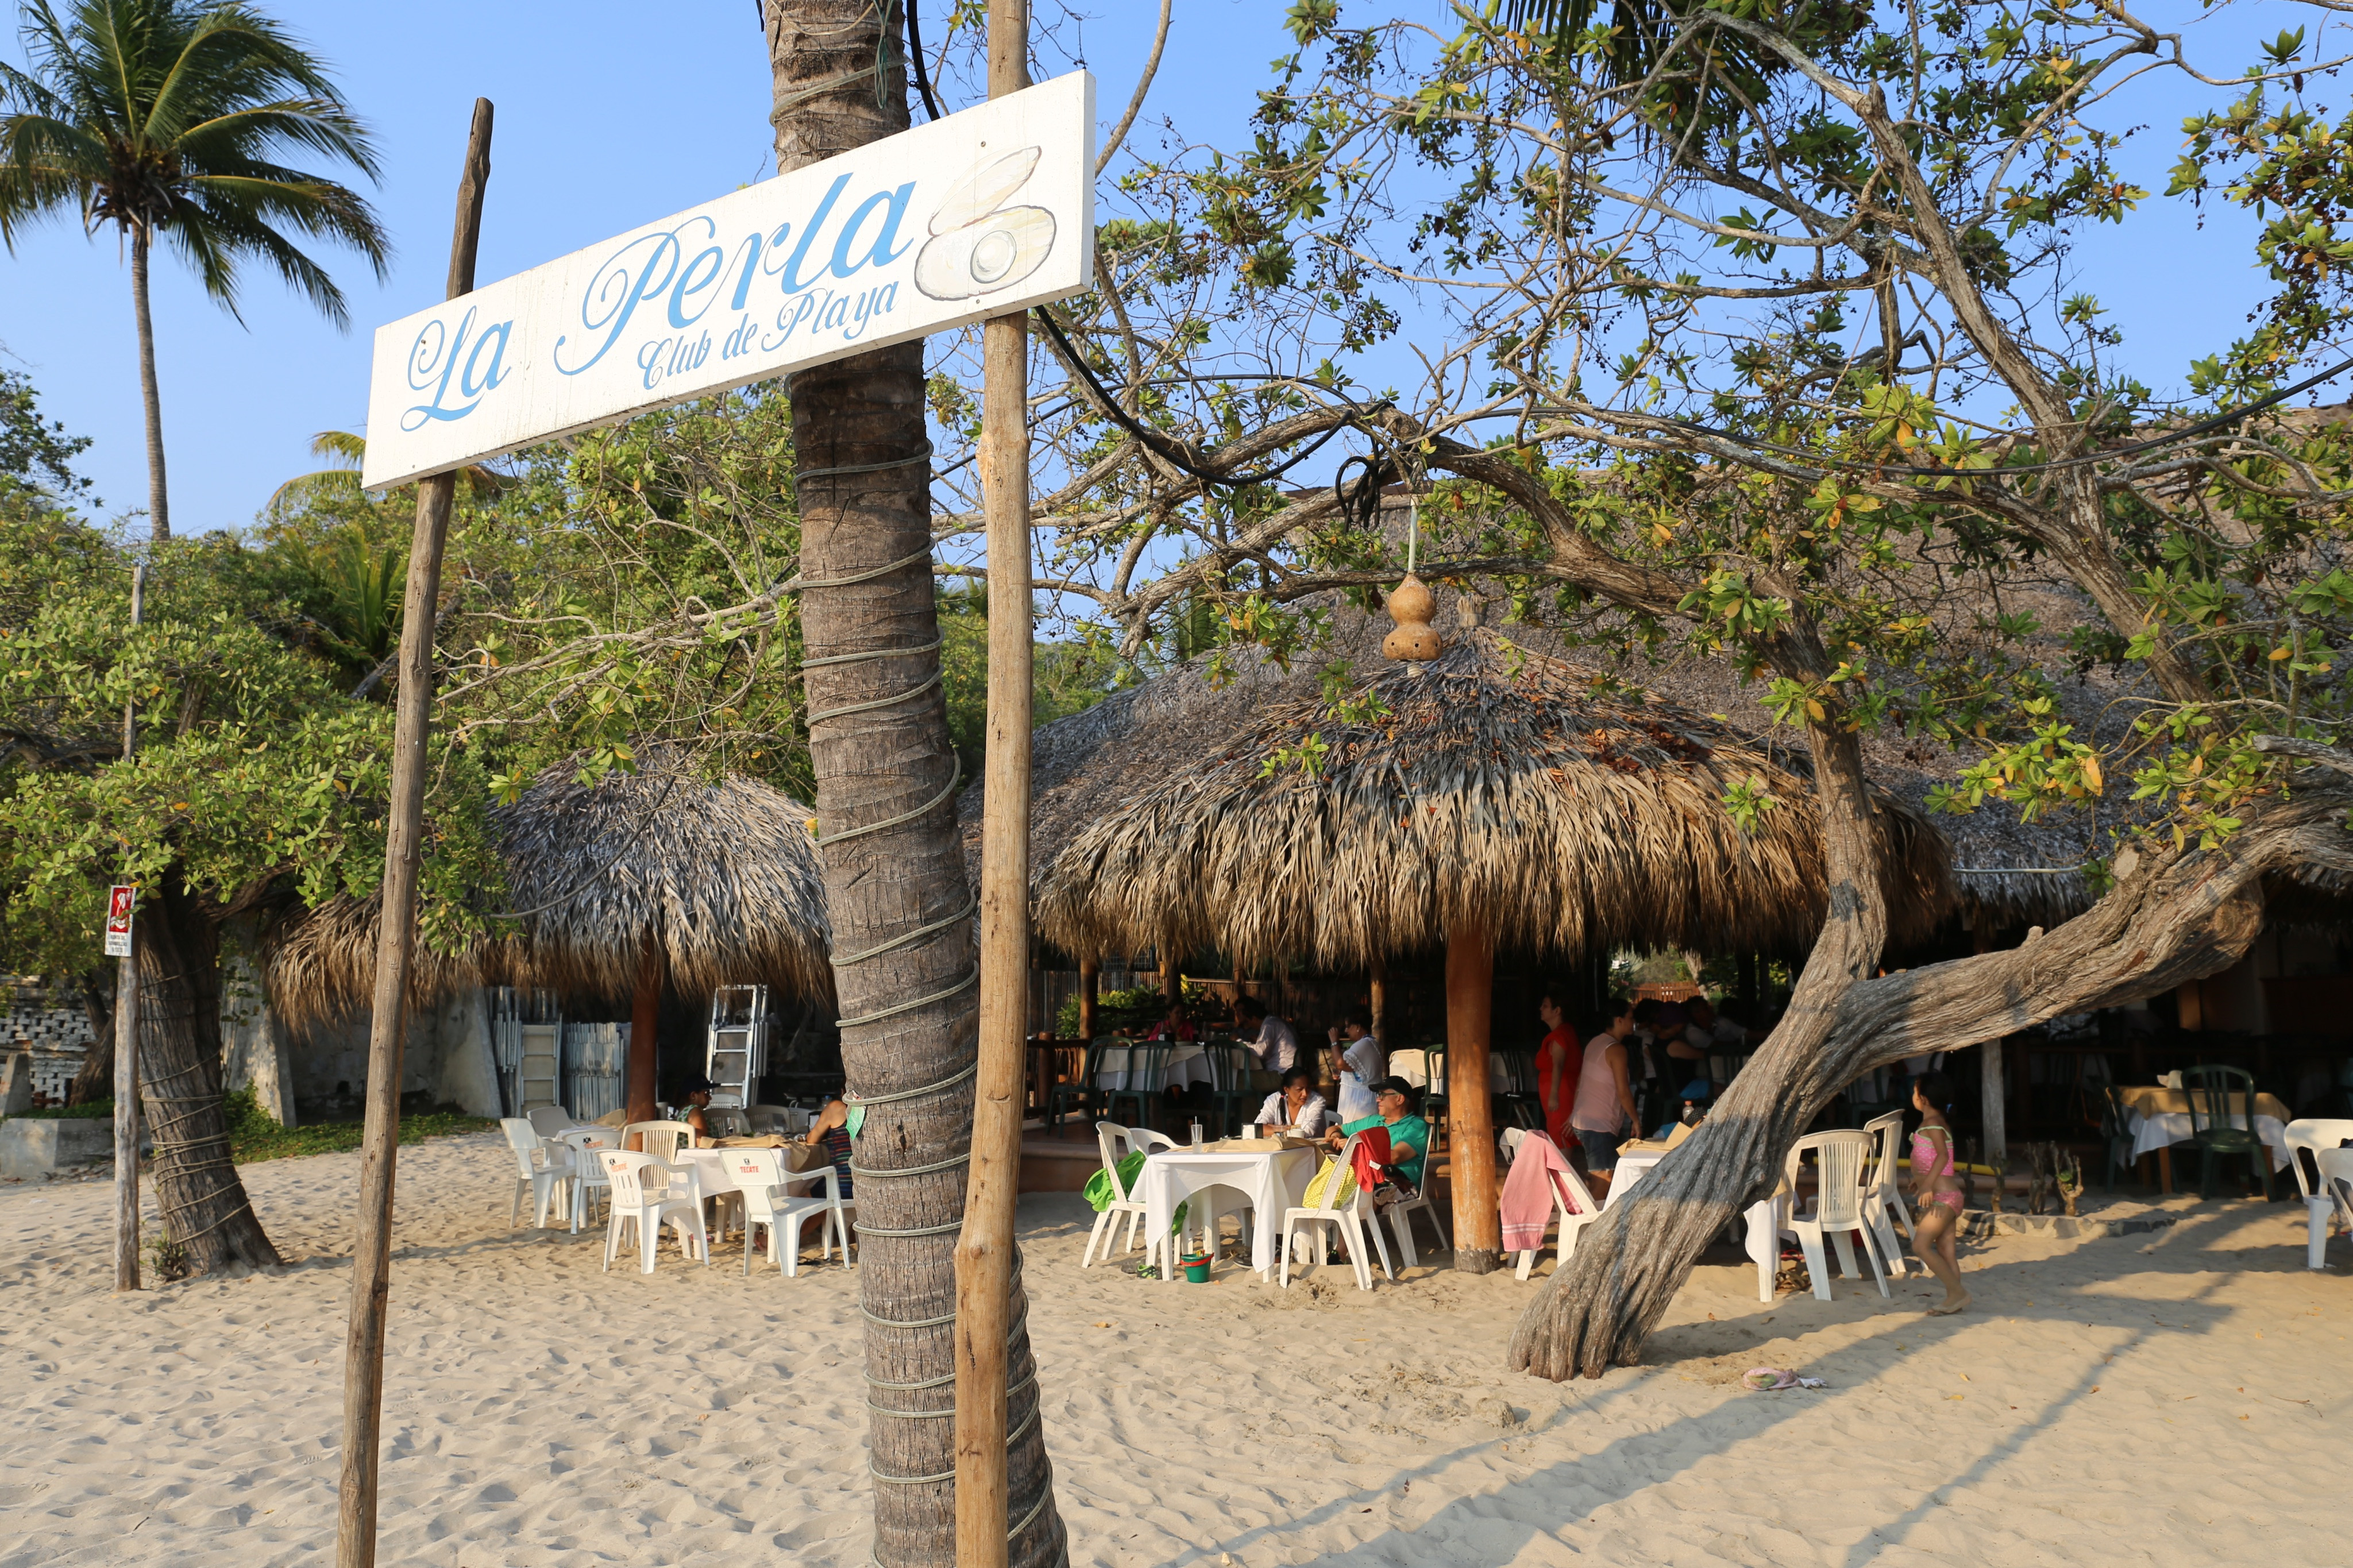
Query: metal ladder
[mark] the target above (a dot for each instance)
(738, 1050)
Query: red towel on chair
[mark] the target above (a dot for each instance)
(1372, 1153)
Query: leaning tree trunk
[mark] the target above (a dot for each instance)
(2173, 916)
(94, 1079)
(206, 1214)
(904, 964)
(159, 508)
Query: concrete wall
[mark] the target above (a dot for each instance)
(447, 1054)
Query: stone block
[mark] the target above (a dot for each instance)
(36, 1146)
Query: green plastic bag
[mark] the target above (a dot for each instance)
(1100, 1192)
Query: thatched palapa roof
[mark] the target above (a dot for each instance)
(1497, 784)
(723, 877)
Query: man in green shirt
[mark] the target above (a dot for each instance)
(1399, 1113)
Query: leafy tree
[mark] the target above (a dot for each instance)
(258, 777)
(1754, 337)
(35, 453)
(167, 119)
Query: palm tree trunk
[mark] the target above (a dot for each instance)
(893, 863)
(159, 506)
(206, 1214)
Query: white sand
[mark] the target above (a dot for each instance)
(2175, 1400)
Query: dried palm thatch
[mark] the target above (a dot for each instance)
(1498, 784)
(722, 877)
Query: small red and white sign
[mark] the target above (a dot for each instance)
(118, 920)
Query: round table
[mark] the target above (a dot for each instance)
(1187, 1065)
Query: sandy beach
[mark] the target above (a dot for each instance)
(2164, 1398)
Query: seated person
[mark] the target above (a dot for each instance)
(830, 1131)
(1399, 1113)
(1269, 1038)
(1177, 1026)
(1295, 1104)
(698, 1099)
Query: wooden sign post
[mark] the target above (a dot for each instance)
(984, 1255)
(395, 942)
(126, 1025)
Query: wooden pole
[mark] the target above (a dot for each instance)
(397, 935)
(1469, 1112)
(126, 1036)
(1378, 985)
(645, 1026)
(1993, 1099)
(1090, 993)
(984, 1253)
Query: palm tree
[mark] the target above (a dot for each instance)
(162, 117)
(894, 870)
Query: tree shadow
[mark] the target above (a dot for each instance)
(1501, 1522)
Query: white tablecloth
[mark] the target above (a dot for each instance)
(1187, 1065)
(1271, 1180)
(1630, 1169)
(2150, 1133)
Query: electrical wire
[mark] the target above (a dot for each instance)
(1165, 447)
(915, 55)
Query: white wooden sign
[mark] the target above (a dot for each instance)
(983, 213)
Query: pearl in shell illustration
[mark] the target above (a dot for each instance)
(979, 245)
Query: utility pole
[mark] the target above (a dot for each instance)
(126, 1033)
(984, 1253)
(395, 942)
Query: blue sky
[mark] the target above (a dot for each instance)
(611, 115)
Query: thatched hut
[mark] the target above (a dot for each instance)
(644, 879)
(1494, 796)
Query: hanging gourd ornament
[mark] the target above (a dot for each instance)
(1415, 640)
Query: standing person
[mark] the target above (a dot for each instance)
(1560, 1058)
(1937, 1191)
(830, 1133)
(1357, 1062)
(1605, 1096)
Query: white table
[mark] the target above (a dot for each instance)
(1187, 1065)
(1271, 1180)
(2167, 1128)
(1630, 1169)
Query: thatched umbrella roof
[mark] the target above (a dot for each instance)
(722, 877)
(1500, 785)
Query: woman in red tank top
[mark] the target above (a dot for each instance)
(1560, 1059)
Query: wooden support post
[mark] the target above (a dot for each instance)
(126, 1037)
(1171, 978)
(1377, 983)
(396, 940)
(1993, 1100)
(1090, 992)
(1469, 1112)
(984, 1253)
(645, 1030)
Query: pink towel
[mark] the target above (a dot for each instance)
(1528, 1192)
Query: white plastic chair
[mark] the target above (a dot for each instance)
(1345, 1217)
(662, 1138)
(761, 1178)
(2337, 1176)
(1837, 1209)
(1112, 1144)
(1401, 1212)
(588, 1178)
(1883, 1194)
(1573, 1208)
(541, 1170)
(2316, 1136)
(647, 1193)
(547, 1120)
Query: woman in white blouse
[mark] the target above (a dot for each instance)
(1295, 1104)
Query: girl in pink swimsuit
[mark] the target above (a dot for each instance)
(1937, 1190)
